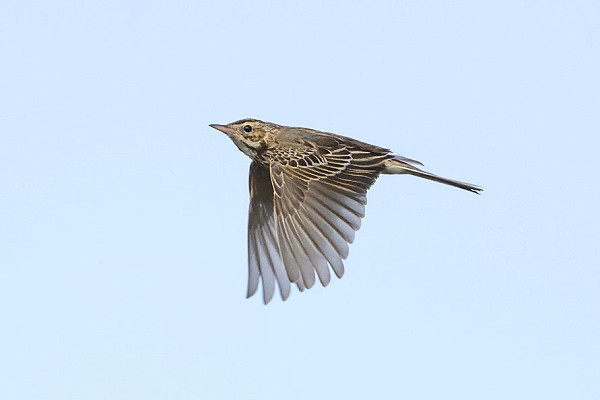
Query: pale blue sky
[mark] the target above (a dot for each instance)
(123, 215)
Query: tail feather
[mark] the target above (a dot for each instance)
(402, 165)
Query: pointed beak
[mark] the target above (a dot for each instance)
(223, 128)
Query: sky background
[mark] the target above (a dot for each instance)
(123, 215)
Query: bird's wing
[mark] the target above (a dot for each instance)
(264, 260)
(319, 200)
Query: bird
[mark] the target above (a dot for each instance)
(307, 198)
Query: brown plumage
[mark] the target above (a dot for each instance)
(307, 197)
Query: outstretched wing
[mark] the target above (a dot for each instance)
(319, 200)
(264, 260)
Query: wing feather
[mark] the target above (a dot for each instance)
(319, 200)
(264, 259)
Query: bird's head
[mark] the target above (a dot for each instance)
(249, 135)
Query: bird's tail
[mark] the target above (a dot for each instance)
(403, 165)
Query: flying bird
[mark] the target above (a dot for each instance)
(307, 197)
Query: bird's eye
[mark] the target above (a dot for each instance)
(247, 128)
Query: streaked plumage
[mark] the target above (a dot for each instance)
(307, 197)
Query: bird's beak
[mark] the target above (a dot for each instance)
(223, 128)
